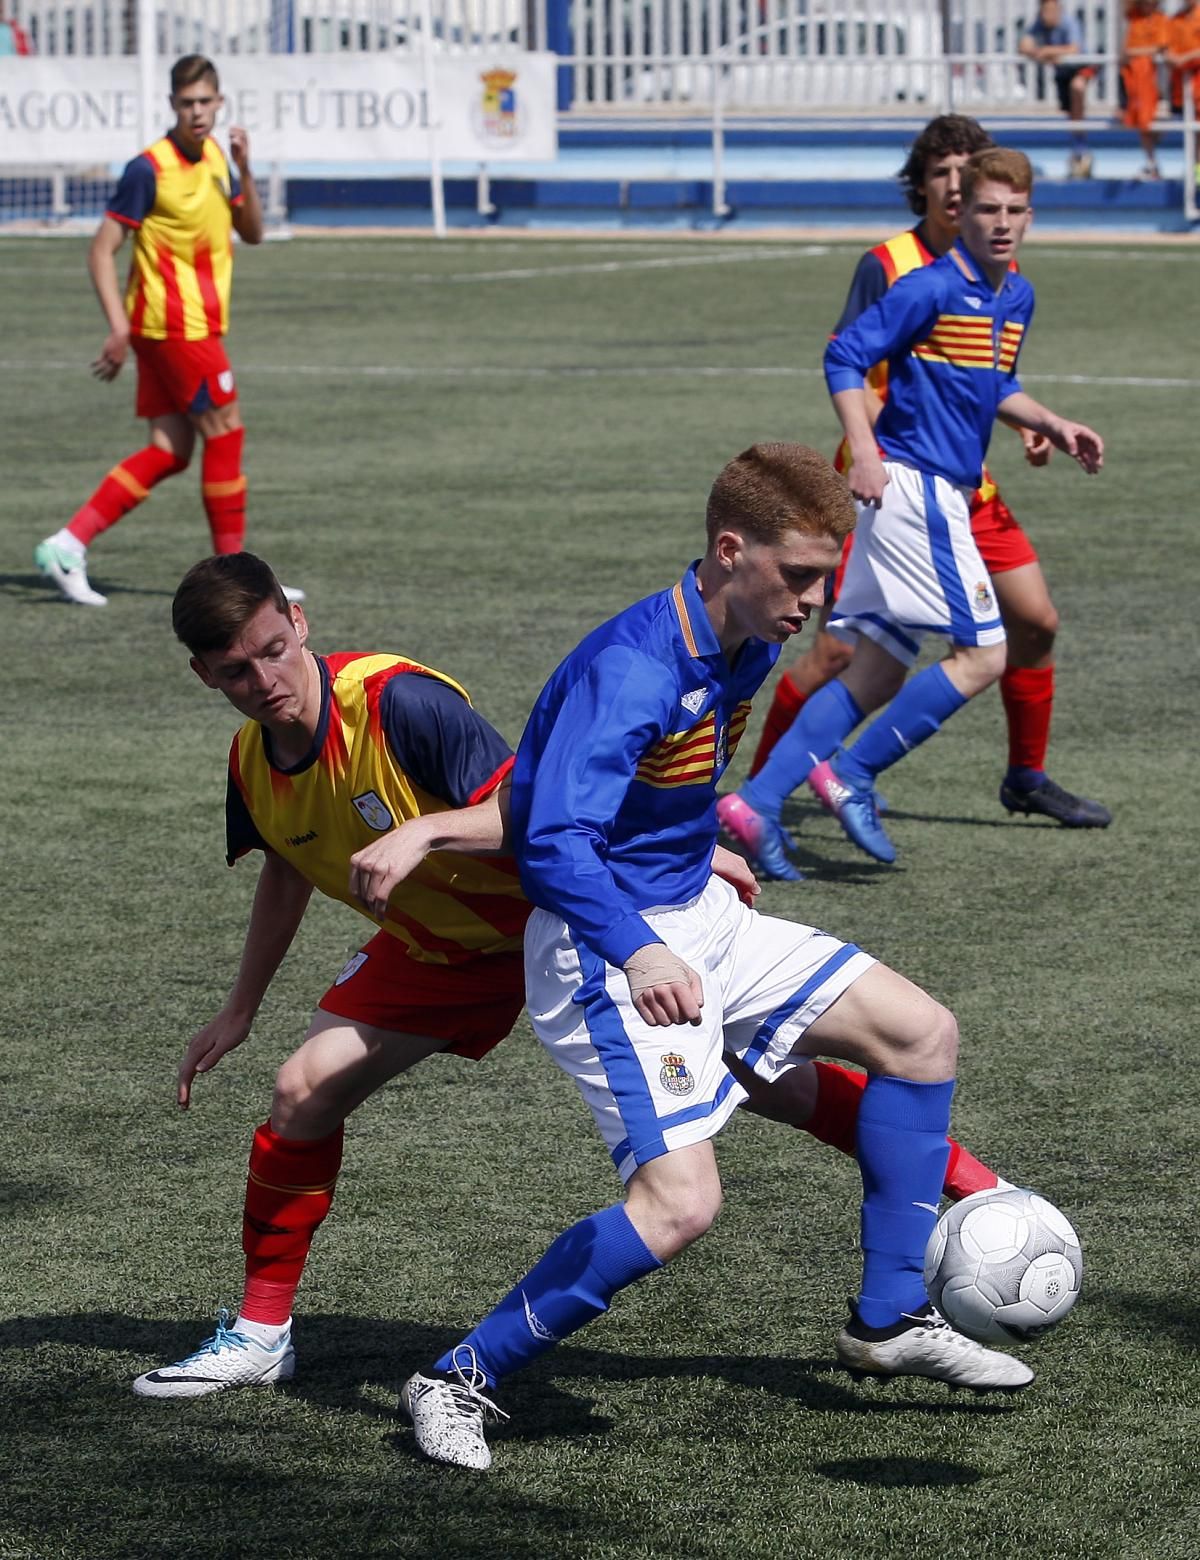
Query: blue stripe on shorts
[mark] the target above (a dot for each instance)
(617, 1056)
(767, 1029)
(963, 627)
(675, 1119)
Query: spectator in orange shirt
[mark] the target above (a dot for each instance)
(1183, 55)
(1145, 42)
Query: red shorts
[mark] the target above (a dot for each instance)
(470, 1006)
(1002, 543)
(182, 376)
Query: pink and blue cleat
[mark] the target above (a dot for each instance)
(764, 841)
(856, 811)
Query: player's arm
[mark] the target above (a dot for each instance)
(280, 901)
(566, 794)
(1083, 444)
(737, 872)
(102, 268)
(453, 753)
(246, 208)
(894, 323)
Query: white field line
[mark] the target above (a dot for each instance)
(403, 371)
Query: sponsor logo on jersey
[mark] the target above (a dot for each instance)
(983, 597)
(300, 839)
(372, 811)
(693, 702)
(674, 1076)
(351, 967)
(536, 1327)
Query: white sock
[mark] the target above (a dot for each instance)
(69, 541)
(266, 1333)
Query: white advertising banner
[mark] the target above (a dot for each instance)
(296, 108)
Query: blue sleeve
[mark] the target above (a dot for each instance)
(241, 836)
(133, 199)
(867, 286)
(440, 741)
(573, 779)
(893, 323)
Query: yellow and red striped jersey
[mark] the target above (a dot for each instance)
(396, 740)
(181, 213)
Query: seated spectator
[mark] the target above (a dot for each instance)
(1051, 41)
(1146, 36)
(1183, 54)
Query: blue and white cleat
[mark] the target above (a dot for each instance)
(765, 842)
(856, 811)
(227, 1359)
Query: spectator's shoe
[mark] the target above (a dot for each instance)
(925, 1344)
(765, 842)
(67, 570)
(227, 1359)
(1083, 165)
(1051, 801)
(1150, 172)
(856, 811)
(448, 1416)
(294, 593)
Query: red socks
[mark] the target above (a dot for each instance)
(123, 489)
(289, 1191)
(223, 488)
(834, 1120)
(1028, 694)
(785, 706)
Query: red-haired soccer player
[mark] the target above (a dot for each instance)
(182, 201)
(931, 181)
(371, 778)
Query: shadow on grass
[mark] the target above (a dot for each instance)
(898, 1472)
(35, 588)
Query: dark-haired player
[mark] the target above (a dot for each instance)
(182, 201)
(931, 178)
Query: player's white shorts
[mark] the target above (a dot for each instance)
(914, 569)
(654, 1089)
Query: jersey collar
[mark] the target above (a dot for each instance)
(322, 731)
(692, 616)
(188, 162)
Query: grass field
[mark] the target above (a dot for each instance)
(473, 452)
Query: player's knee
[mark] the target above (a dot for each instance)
(299, 1104)
(693, 1217)
(924, 1046)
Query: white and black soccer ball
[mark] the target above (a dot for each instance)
(1003, 1267)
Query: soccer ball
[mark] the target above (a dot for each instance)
(1003, 1267)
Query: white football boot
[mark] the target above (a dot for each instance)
(927, 1345)
(227, 1359)
(448, 1416)
(68, 570)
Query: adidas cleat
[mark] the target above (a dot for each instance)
(227, 1359)
(448, 1416)
(764, 841)
(925, 1344)
(1050, 801)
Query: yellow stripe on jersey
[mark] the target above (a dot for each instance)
(454, 906)
(182, 270)
(690, 757)
(964, 340)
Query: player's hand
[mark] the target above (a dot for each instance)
(736, 870)
(239, 150)
(1038, 448)
(378, 867)
(206, 1048)
(112, 355)
(867, 478)
(664, 989)
(1083, 444)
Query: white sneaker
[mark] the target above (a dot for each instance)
(448, 1416)
(294, 593)
(928, 1346)
(68, 570)
(227, 1359)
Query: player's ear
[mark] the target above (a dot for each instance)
(201, 671)
(727, 548)
(299, 622)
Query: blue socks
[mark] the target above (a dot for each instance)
(573, 1282)
(902, 1152)
(829, 716)
(912, 717)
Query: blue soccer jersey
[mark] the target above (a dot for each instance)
(614, 786)
(951, 344)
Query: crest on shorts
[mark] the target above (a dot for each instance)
(372, 811)
(351, 967)
(983, 597)
(674, 1076)
(225, 380)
